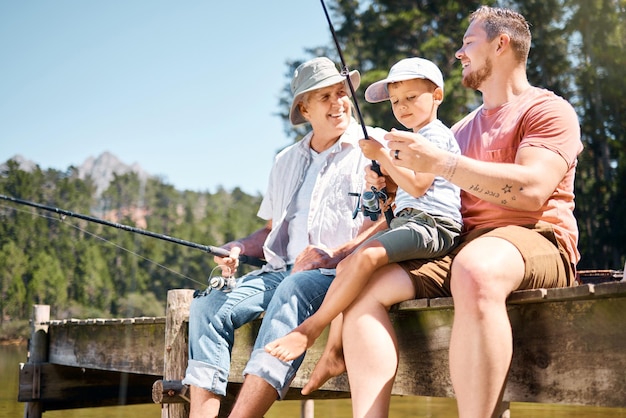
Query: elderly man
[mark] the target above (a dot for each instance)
(310, 228)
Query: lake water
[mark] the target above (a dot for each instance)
(401, 407)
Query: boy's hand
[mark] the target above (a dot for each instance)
(372, 179)
(371, 148)
(379, 182)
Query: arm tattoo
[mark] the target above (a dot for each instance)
(450, 168)
(478, 189)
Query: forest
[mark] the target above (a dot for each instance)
(85, 270)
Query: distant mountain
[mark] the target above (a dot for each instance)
(26, 165)
(101, 169)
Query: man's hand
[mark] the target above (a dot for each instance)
(413, 151)
(229, 264)
(314, 257)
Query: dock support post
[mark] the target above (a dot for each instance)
(37, 353)
(176, 343)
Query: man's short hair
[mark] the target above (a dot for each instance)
(497, 21)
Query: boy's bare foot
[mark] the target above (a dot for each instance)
(331, 364)
(289, 347)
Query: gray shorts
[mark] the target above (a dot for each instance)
(414, 234)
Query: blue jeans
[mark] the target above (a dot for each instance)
(213, 318)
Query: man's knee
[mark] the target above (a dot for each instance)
(486, 267)
(303, 285)
(203, 304)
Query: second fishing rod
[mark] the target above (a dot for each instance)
(207, 248)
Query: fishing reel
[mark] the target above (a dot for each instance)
(369, 203)
(225, 284)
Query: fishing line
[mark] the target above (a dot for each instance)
(381, 195)
(62, 220)
(253, 261)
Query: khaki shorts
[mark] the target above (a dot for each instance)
(546, 262)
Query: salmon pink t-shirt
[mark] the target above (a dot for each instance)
(536, 118)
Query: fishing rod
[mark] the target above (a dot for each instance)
(380, 194)
(220, 252)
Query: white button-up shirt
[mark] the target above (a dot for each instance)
(330, 218)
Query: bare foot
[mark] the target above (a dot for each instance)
(331, 364)
(291, 346)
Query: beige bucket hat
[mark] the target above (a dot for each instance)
(312, 75)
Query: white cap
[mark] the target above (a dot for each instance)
(406, 69)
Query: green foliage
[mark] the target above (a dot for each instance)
(15, 330)
(46, 282)
(14, 267)
(141, 304)
(598, 47)
(88, 270)
(85, 269)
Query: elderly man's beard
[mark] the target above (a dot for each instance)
(474, 79)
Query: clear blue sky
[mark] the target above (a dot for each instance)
(187, 89)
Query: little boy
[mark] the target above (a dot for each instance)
(427, 219)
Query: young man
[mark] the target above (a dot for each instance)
(516, 174)
(309, 228)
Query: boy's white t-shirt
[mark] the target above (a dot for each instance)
(442, 198)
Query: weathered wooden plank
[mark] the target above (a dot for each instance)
(611, 289)
(414, 305)
(108, 321)
(570, 352)
(423, 340)
(528, 296)
(585, 291)
(439, 303)
(123, 347)
(139, 348)
(567, 351)
(558, 334)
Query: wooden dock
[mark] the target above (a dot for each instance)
(569, 348)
